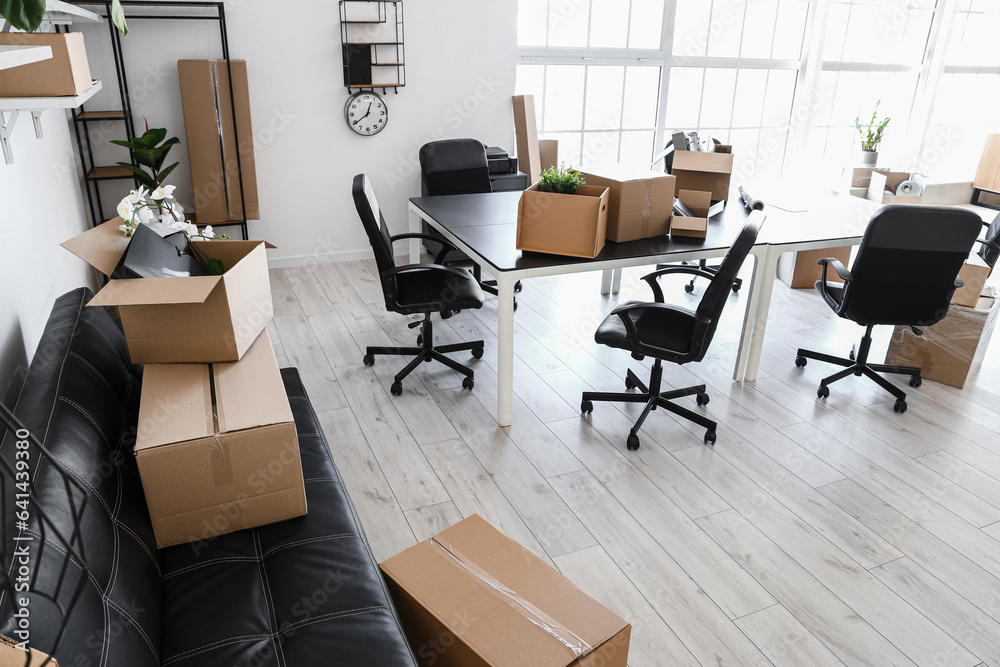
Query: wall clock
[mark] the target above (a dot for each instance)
(366, 113)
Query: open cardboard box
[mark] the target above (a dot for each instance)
(882, 180)
(66, 73)
(574, 225)
(202, 319)
(12, 656)
(216, 447)
(640, 202)
(709, 172)
(472, 597)
(699, 202)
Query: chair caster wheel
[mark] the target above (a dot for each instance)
(586, 406)
(628, 383)
(689, 287)
(445, 314)
(632, 442)
(517, 286)
(736, 288)
(369, 360)
(396, 389)
(468, 383)
(477, 353)
(899, 406)
(420, 340)
(916, 381)
(515, 304)
(800, 362)
(709, 437)
(823, 391)
(702, 398)
(852, 354)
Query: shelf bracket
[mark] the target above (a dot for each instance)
(6, 125)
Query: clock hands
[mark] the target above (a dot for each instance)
(355, 122)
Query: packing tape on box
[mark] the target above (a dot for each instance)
(647, 206)
(574, 644)
(913, 186)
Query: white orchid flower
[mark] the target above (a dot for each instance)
(208, 233)
(136, 196)
(163, 192)
(126, 209)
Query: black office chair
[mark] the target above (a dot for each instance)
(671, 333)
(668, 166)
(990, 249)
(417, 288)
(905, 273)
(456, 167)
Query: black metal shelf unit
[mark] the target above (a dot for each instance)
(174, 10)
(371, 36)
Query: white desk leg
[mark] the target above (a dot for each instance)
(616, 281)
(606, 277)
(505, 348)
(764, 290)
(415, 221)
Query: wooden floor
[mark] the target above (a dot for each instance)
(814, 532)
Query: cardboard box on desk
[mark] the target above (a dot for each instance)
(699, 202)
(882, 180)
(640, 202)
(66, 73)
(216, 447)
(203, 319)
(498, 605)
(952, 350)
(12, 656)
(709, 172)
(574, 225)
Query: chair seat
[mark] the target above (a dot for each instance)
(667, 328)
(433, 290)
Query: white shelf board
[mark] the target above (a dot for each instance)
(40, 103)
(63, 13)
(15, 56)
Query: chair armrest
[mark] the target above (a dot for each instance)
(844, 274)
(396, 270)
(446, 245)
(651, 278)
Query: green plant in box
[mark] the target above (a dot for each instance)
(561, 180)
(150, 150)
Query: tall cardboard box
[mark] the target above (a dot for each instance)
(67, 72)
(473, 597)
(216, 447)
(952, 350)
(211, 142)
(526, 134)
(574, 225)
(709, 172)
(202, 319)
(988, 171)
(640, 202)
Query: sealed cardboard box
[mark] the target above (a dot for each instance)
(526, 135)
(988, 171)
(640, 202)
(709, 172)
(952, 350)
(202, 319)
(800, 270)
(974, 274)
(473, 597)
(574, 225)
(216, 447)
(695, 227)
(11, 655)
(67, 72)
(211, 141)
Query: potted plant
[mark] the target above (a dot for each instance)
(561, 180)
(562, 215)
(871, 136)
(27, 15)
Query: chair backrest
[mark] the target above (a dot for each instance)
(454, 167)
(990, 253)
(906, 266)
(713, 301)
(375, 227)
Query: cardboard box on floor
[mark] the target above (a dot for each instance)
(640, 202)
(574, 225)
(800, 270)
(709, 172)
(974, 274)
(11, 656)
(471, 597)
(211, 144)
(66, 73)
(216, 447)
(952, 350)
(204, 319)
(697, 227)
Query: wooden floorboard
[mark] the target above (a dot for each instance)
(815, 532)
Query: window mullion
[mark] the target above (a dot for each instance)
(933, 71)
(666, 54)
(807, 87)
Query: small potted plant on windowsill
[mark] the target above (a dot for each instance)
(562, 215)
(871, 136)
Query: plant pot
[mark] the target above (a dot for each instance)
(869, 158)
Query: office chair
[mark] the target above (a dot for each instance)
(417, 288)
(456, 167)
(671, 333)
(668, 166)
(905, 273)
(990, 248)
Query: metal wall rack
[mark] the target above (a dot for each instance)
(365, 45)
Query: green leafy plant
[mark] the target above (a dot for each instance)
(150, 150)
(27, 14)
(871, 134)
(561, 180)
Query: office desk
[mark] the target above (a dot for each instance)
(484, 227)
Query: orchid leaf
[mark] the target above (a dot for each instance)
(166, 172)
(141, 175)
(215, 267)
(23, 14)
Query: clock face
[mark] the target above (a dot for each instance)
(366, 113)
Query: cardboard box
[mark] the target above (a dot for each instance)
(974, 273)
(952, 350)
(12, 656)
(548, 153)
(498, 605)
(574, 225)
(703, 171)
(988, 171)
(216, 447)
(882, 180)
(211, 144)
(800, 270)
(699, 202)
(203, 319)
(640, 202)
(67, 72)
(526, 134)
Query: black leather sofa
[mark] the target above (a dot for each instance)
(304, 592)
